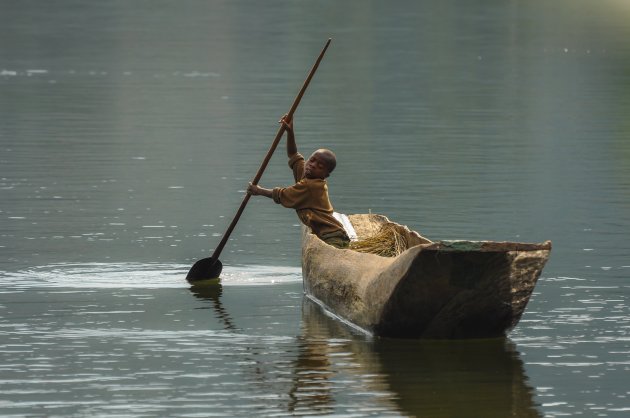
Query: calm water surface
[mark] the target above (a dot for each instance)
(129, 130)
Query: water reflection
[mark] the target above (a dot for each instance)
(213, 294)
(311, 389)
(330, 365)
(434, 378)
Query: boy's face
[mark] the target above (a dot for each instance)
(316, 167)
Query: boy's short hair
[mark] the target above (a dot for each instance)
(329, 158)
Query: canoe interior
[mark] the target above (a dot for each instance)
(369, 224)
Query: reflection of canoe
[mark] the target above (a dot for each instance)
(417, 378)
(446, 289)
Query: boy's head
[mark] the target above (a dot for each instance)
(320, 164)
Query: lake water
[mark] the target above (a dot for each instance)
(129, 131)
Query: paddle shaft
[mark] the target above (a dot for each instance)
(274, 145)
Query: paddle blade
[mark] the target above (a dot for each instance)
(204, 269)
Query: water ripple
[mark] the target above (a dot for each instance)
(136, 275)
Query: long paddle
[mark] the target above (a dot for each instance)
(210, 268)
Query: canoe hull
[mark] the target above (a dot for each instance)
(442, 290)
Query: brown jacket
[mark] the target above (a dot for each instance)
(309, 198)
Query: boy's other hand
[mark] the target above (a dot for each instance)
(287, 122)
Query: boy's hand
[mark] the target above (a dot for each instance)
(253, 189)
(287, 122)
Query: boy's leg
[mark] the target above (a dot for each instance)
(338, 239)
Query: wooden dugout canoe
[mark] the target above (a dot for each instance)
(433, 290)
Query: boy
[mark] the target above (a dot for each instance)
(309, 196)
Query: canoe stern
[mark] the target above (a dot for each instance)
(457, 293)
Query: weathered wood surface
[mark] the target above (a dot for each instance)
(450, 289)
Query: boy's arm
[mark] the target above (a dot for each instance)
(256, 190)
(291, 145)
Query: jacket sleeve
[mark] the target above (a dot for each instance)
(296, 196)
(297, 166)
